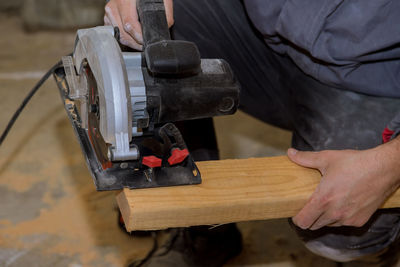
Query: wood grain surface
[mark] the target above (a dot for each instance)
(231, 191)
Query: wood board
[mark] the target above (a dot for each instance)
(231, 191)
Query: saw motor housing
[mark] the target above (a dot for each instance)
(121, 104)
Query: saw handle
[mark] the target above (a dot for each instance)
(165, 57)
(153, 20)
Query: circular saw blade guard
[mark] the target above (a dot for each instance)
(97, 48)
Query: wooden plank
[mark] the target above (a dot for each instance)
(231, 191)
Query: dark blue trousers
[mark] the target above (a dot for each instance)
(276, 91)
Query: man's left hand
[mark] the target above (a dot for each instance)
(354, 184)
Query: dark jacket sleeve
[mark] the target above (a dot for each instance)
(349, 44)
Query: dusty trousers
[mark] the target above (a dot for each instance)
(276, 91)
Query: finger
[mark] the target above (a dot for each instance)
(115, 19)
(326, 219)
(359, 218)
(356, 222)
(336, 224)
(353, 217)
(307, 159)
(130, 21)
(111, 12)
(169, 12)
(107, 21)
(310, 213)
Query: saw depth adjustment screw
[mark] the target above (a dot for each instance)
(151, 162)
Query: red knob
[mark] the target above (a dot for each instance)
(177, 156)
(152, 161)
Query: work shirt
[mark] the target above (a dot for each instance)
(349, 44)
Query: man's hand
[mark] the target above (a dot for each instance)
(123, 14)
(354, 184)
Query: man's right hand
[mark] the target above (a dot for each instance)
(354, 184)
(123, 14)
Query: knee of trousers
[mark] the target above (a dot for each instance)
(345, 244)
(335, 254)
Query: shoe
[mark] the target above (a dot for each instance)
(389, 257)
(195, 246)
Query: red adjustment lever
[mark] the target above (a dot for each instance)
(152, 161)
(177, 156)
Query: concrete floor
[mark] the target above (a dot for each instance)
(50, 213)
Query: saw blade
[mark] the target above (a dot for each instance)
(93, 107)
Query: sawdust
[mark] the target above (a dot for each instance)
(82, 222)
(69, 218)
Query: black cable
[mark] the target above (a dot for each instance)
(139, 263)
(26, 100)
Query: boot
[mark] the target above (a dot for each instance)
(196, 246)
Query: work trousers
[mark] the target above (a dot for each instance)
(276, 91)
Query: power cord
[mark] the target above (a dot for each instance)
(26, 100)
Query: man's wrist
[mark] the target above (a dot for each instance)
(388, 156)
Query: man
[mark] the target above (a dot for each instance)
(329, 70)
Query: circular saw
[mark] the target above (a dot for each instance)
(122, 104)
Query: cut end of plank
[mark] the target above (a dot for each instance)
(124, 207)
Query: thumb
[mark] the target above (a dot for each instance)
(306, 159)
(169, 12)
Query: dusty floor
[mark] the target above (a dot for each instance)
(50, 213)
